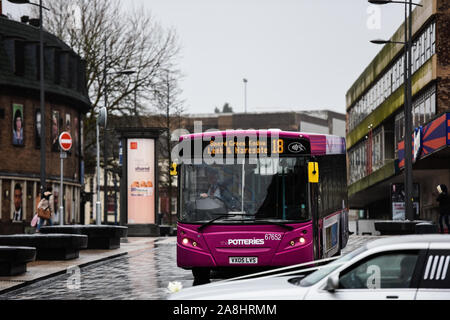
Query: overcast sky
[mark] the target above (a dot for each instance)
(295, 54)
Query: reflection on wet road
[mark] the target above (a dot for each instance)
(139, 275)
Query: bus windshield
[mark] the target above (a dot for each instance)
(270, 189)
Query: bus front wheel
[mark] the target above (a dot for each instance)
(201, 275)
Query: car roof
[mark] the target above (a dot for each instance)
(408, 239)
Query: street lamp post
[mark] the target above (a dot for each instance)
(42, 88)
(105, 134)
(245, 94)
(101, 121)
(105, 140)
(105, 137)
(409, 213)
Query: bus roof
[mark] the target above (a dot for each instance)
(321, 144)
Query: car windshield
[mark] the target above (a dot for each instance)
(270, 189)
(318, 275)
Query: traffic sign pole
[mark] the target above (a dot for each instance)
(61, 188)
(65, 142)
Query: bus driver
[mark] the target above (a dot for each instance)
(218, 190)
(214, 189)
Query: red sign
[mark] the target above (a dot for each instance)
(133, 145)
(65, 141)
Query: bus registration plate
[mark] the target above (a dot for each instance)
(243, 260)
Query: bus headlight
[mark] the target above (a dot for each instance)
(302, 240)
(185, 241)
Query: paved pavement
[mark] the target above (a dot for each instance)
(39, 270)
(140, 269)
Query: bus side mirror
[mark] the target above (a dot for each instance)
(173, 169)
(313, 172)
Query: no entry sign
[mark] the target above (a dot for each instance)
(65, 141)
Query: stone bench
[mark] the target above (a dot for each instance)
(165, 230)
(48, 246)
(426, 228)
(391, 227)
(99, 236)
(13, 260)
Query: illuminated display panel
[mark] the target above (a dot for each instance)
(254, 147)
(141, 181)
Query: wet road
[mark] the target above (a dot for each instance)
(140, 275)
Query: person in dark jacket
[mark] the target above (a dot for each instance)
(444, 207)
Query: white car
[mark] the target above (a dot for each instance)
(413, 267)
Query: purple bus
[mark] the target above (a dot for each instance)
(260, 198)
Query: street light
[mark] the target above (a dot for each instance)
(409, 214)
(387, 1)
(105, 138)
(380, 41)
(101, 121)
(245, 94)
(42, 88)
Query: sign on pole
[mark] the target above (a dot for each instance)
(102, 116)
(65, 141)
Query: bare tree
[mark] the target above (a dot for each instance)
(111, 41)
(169, 107)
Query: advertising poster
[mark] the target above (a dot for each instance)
(398, 200)
(55, 130)
(75, 136)
(68, 128)
(17, 110)
(141, 181)
(37, 126)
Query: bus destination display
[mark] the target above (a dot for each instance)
(280, 146)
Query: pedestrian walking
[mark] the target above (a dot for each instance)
(46, 203)
(444, 207)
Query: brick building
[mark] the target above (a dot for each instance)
(375, 119)
(66, 103)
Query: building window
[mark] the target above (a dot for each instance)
(399, 130)
(423, 108)
(357, 162)
(57, 67)
(423, 49)
(19, 58)
(377, 149)
(37, 60)
(427, 110)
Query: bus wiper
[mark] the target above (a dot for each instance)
(275, 223)
(230, 214)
